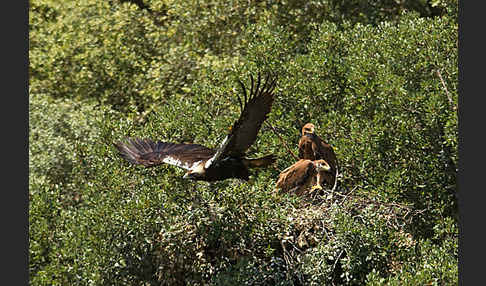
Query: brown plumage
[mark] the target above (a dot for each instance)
(299, 177)
(312, 147)
(203, 163)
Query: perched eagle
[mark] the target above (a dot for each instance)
(303, 174)
(203, 163)
(312, 147)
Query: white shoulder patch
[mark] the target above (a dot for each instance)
(174, 161)
(218, 153)
(185, 165)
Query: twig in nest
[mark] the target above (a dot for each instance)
(285, 253)
(281, 139)
(365, 200)
(335, 262)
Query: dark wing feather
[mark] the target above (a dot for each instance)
(256, 107)
(314, 148)
(149, 153)
(305, 148)
(325, 152)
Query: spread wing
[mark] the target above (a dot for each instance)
(149, 153)
(255, 108)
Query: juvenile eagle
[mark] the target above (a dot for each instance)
(203, 163)
(312, 147)
(303, 174)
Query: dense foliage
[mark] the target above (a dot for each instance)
(378, 80)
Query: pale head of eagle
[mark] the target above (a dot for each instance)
(321, 165)
(308, 129)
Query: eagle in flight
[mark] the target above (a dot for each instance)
(206, 164)
(301, 175)
(312, 147)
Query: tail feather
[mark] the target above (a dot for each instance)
(260, 162)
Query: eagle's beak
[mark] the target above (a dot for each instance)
(187, 176)
(309, 131)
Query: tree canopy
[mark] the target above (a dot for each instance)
(379, 80)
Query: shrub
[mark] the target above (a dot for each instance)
(384, 95)
(379, 95)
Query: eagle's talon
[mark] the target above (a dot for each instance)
(316, 187)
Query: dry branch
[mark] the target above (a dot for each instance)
(449, 97)
(283, 141)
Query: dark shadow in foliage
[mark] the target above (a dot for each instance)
(374, 12)
(140, 4)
